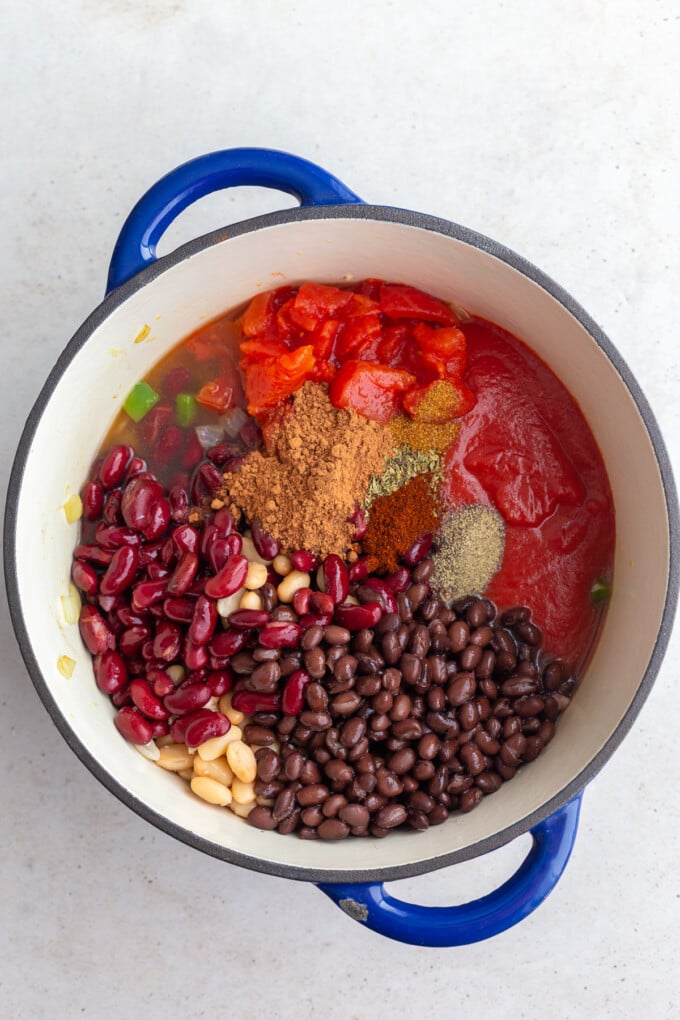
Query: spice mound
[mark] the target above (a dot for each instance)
(470, 549)
(318, 471)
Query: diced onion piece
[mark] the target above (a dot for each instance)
(150, 750)
(233, 421)
(209, 435)
(66, 665)
(73, 508)
(70, 605)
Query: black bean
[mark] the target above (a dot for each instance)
(333, 828)
(268, 764)
(285, 804)
(391, 816)
(469, 799)
(312, 637)
(334, 635)
(261, 817)
(354, 815)
(258, 735)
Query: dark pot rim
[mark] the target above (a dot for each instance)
(354, 212)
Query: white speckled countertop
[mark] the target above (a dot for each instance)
(550, 127)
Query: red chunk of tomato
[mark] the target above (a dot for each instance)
(274, 379)
(323, 339)
(315, 302)
(374, 391)
(258, 318)
(216, 394)
(401, 302)
(355, 333)
(444, 350)
(258, 350)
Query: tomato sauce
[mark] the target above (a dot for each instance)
(526, 448)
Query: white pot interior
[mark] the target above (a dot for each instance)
(208, 283)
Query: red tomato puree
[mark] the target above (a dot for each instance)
(526, 448)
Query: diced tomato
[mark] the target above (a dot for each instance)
(258, 318)
(355, 332)
(202, 348)
(323, 338)
(372, 390)
(315, 302)
(360, 304)
(370, 288)
(323, 371)
(445, 347)
(257, 350)
(393, 345)
(453, 400)
(286, 329)
(216, 394)
(274, 379)
(402, 302)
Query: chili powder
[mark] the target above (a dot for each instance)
(397, 520)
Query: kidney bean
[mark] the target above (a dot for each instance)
(93, 554)
(187, 698)
(292, 698)
(418, 551)
(194, 656)
(355, 618)
(336, 580)
(110, 671)
(113, 466)
(204, 727)
(145, 593)
(139, 497)
(266, 546)
(146, 701)
(229, 579)
(133, 726)
(85, 577)
(120, 572)
(183, 574)
(92, 497)
(95, 631)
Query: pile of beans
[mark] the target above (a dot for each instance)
(309, 697)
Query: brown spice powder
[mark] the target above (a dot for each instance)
(317, 471)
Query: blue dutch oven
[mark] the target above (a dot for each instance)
(334, 237)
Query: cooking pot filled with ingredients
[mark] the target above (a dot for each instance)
(341, 545)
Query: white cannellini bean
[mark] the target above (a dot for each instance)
(243, 793)
(230, 604)
(251, 600)
(234, 716)
(242, 810)
(219, 770)
(242, 761)
(211, 791)
(282, 564)
(256, 576)
(216, 746)
(291, 583)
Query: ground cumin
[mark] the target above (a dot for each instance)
(397, 520)
(315, 473)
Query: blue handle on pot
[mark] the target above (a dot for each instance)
(368, 902)
(553, 840)
(267, 168)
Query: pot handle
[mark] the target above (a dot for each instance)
(553, 840)
(164, 201)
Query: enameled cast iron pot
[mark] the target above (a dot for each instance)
(334, 237)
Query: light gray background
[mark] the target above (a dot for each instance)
(552, 127)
